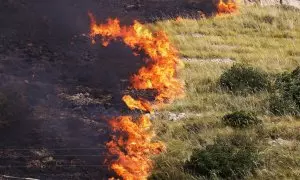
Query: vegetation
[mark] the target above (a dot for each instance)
(267, 39)
(242, 79)
(282, 106)
(240, 119)
(288, 94)
(226, 158)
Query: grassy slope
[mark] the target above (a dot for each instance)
(268, 38)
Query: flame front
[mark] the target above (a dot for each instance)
(133, 152)
(179, 19)
(226, 8)
(132, 143)
(137, 104)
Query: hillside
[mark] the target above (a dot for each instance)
(63, 98)
(264, 40)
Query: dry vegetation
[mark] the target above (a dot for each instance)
(267, 39)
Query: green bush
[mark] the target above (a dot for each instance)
(231, 158)
(244, 79)
(286, 98)
(240, 119)
(281, 106)
(13, 107)
(289, 85)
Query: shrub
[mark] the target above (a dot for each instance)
(280, 106)
(286, 98)
(231, 158)
(240, 119)
(289, 85)
(243, 79)
(12, 107)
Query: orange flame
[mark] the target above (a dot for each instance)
(179, 19)
(226, 8)
(137, 104)
(160, 72)
(133, 145)
(133, 153)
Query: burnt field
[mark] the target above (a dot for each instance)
(66, 84)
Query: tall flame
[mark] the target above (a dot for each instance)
(132, 142)
(226, 8)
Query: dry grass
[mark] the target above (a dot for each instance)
(267, 38)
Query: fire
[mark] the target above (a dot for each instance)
(132, 143)
(137, 104)
(226, 8)
(133, 153)
(179, 19)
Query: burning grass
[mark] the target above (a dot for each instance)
(265, 38)
(226, 7)
(132, 143)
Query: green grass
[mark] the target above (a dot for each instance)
(267, 38)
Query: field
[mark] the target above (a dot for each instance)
(239, 118)
(267, 39)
